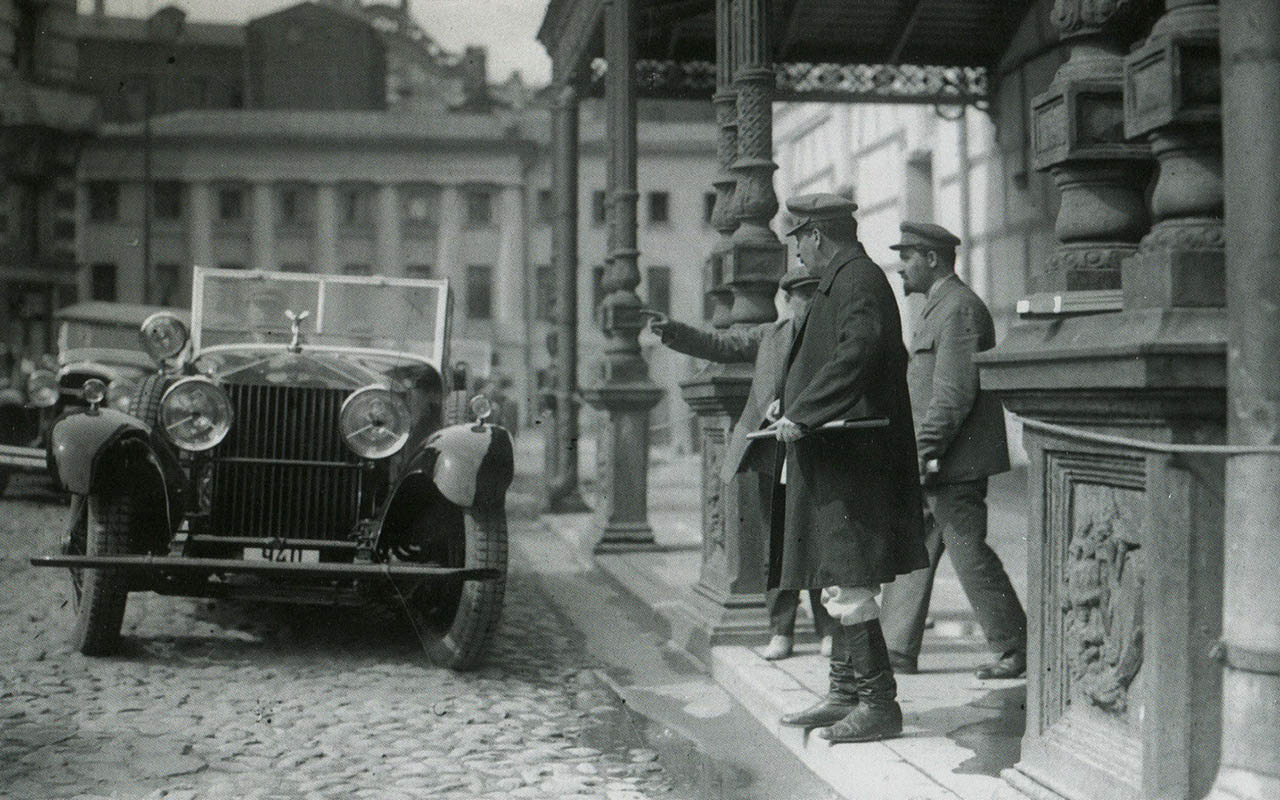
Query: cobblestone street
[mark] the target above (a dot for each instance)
(214, 700)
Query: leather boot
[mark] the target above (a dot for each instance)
(877, 714)
(842, 695)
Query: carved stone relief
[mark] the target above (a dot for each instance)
(713, 521)
(1102, 598)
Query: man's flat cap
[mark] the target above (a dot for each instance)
(797, 276)
(926, 235)
(806, 208)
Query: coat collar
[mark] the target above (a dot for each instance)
(838, 261)
(940, 290)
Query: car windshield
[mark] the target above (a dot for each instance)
(251, 309)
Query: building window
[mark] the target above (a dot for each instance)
(419, 272)
(355, 207)
(546, 206)
(293, 208)
(598, 207)
(356, 269)
(544, 294)
(230, 205)
(597, 290)
(26, 30)
(104, 201)
(166, 199)
(659, 208)
(103, 278)
(479, 292)
(420, 207)
(231, 265)
(479, 208)
(294, 266)
(167, 278)
(708, 207)
(658, 287)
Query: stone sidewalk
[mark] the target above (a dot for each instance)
(960, 731)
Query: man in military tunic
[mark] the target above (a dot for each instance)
(960, 439)
(850, 517)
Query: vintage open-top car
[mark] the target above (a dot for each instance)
(96, 339)
(307, 447)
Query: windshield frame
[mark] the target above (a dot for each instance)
(440, 334)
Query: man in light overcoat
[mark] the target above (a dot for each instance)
(766, 346)
(850, 517)
(960, 439)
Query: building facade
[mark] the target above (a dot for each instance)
(453, 195)
(44, 120)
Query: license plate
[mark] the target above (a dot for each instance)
(287, 555)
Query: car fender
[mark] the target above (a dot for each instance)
(81, 441)
(474, 464)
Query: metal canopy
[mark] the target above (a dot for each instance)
(930, 51)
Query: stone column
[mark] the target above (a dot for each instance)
(263, 233)
(1172, 99)
(387, 232)
(1125, 557)
(758, 259)
(511, 265)
(200, 225)
(622, 386)
(450, 237)
(562, 458)
(1250, 763)
(1078, 137)
(326, 230)
(734, 531)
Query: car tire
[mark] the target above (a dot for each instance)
(460, 637)
(146, 401)
(102, 592)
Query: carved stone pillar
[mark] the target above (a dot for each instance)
(730, 587)
(562, 458)
(1125, 547)
(1078, 137)
(1250, 762)
(262, 233)
(622, 386)
(759, 259)
(1172, 97)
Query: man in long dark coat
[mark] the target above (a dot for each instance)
(767, 346)
(851, 517)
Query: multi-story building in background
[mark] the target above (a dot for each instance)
(44, 120)
(452, 180)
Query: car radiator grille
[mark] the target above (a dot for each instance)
(283, 469)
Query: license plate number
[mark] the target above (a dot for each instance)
(287, 555)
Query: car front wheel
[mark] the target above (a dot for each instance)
(102, 527)
(457, 620)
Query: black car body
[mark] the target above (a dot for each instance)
(299, 452)
(96, 339)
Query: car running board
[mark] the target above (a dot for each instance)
(150, 563)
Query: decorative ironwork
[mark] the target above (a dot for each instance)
(819, 83)
(900, 83)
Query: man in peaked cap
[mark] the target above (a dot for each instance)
(766, 345)
(847, 508)
(960, 440)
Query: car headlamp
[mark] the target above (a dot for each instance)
(481, 407)
(195, 414)
(374, 422)
(42, 389)
(120, 394)
(94, 392)
(163, 335)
